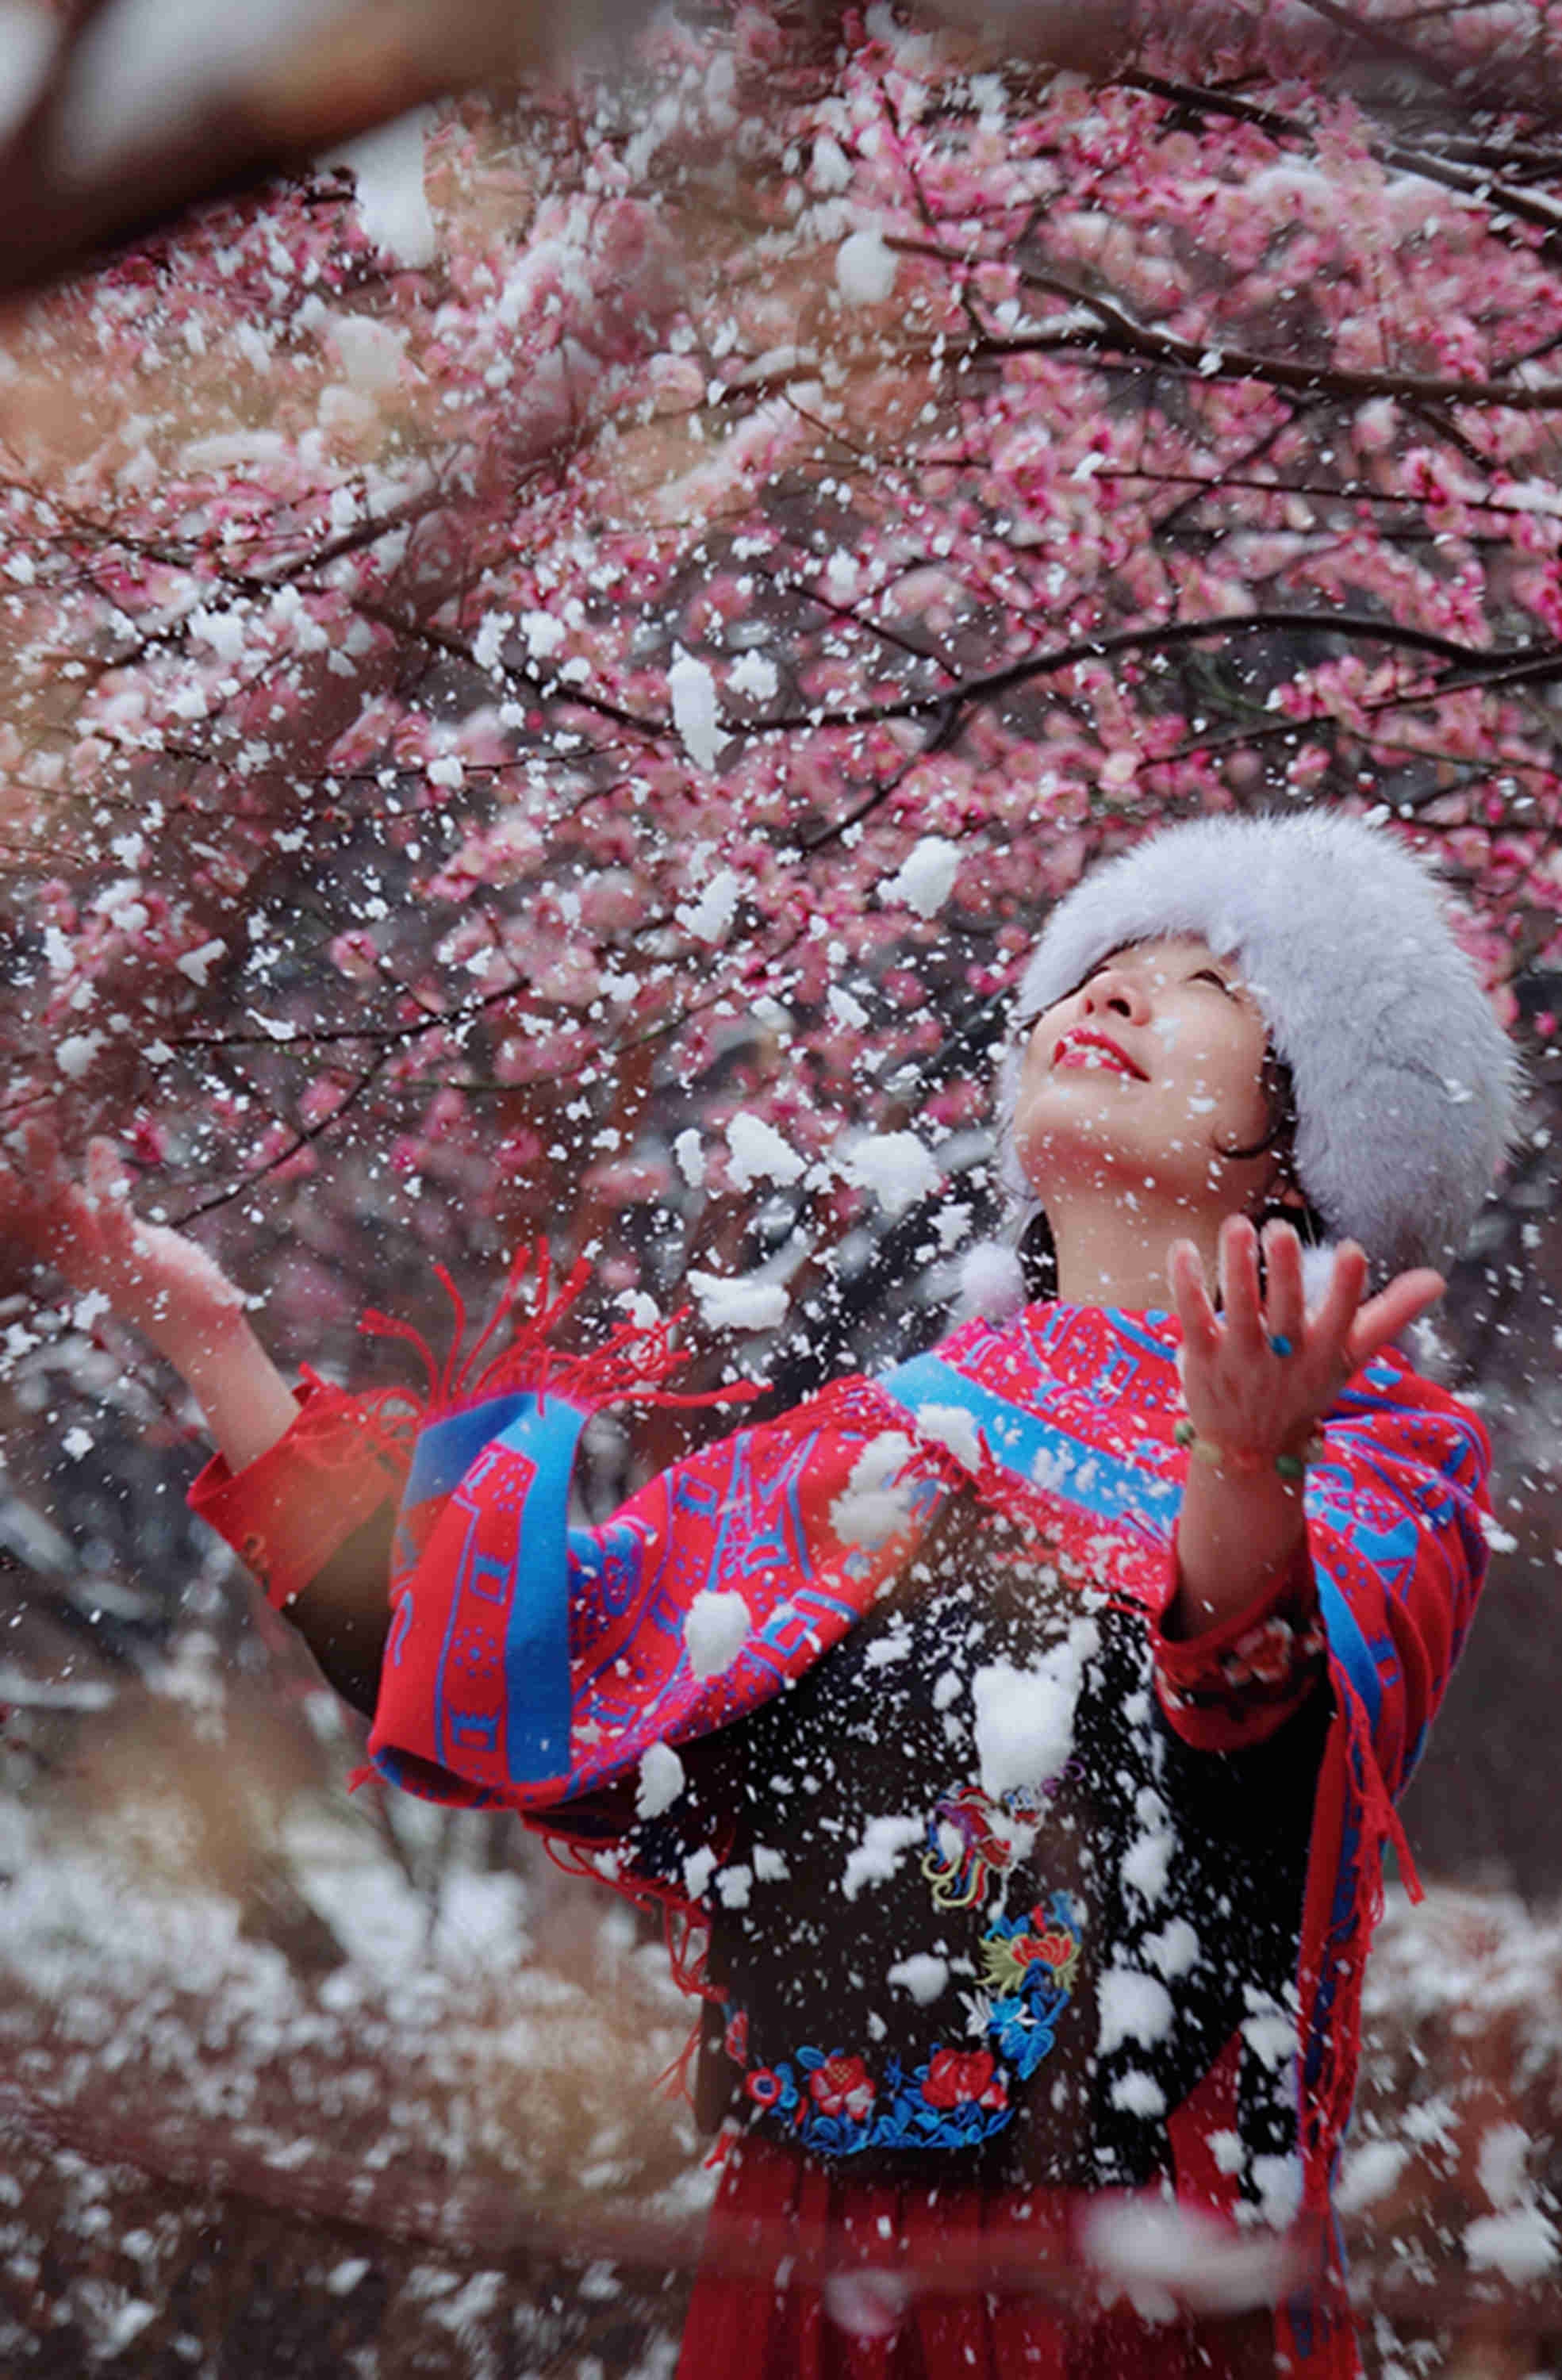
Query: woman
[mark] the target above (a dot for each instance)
(1023, 1725)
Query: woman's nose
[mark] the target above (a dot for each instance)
(1115, 993)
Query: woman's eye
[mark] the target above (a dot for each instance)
(1207, 975)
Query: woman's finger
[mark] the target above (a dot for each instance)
(1285, 1305)
(1238, 1282)
(1392, 1310)
(1332, 1322)
(1190, 1296)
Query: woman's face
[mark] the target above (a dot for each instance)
(1141, 1079)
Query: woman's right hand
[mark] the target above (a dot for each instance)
(151, 1277)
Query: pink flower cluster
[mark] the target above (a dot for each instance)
(487, 726)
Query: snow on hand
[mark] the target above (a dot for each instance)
(388, 165)
(952, 1428)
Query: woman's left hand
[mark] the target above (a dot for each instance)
(1243, 1394)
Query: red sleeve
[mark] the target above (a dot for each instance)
(1237, 1684)
(287, 1512)
(1396, 1558)
(707, 1592)
(1398, 1513)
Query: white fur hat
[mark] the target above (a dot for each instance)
(1405, 1083)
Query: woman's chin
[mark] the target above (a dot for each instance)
(1077, 1141)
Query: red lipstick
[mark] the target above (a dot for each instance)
(1081, 1039)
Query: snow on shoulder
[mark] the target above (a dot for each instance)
(877, 1502)
(715, 1631)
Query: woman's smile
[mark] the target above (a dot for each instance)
(1083, 1045)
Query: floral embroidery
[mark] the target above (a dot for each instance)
(1028, 1965)
(768, 2087)
(832, 2104)
(1040, 1948)
(1271, 1666)
(972, 1838)
(957, 2098)
(956, 2077)
(1267, 1654)
(842, 2086)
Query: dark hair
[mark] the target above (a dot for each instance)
(1037, 1250)
(1279, 1086)
(1038, 1260)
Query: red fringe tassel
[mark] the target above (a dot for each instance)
(633, 1362)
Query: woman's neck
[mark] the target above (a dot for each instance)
(1111, 1252)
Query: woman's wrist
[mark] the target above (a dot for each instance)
(1235, 1533)
(190, 1337)
(246, 1402)
(1288, 1458)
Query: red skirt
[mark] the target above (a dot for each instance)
(807, 2277)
